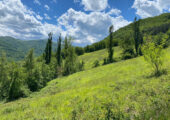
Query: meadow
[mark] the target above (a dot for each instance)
(122, 90)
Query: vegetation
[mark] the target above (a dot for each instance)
(109, 45)
(70, 89)
(138, 38)
(149, 26)
(48, 50)
(17, 49)
(153, 53)
(125, 92)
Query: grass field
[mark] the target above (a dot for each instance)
(90, 58)
(122, 90)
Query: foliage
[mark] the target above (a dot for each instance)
(96, 64)
(125, 92)
(127, 44)
(16, 49)
(70, 63)
(4, 77)
(109, 45)
(148, 26)
(138, 38)
(48, 50)
(153, 54)
(81, 66)
(79, 50)
(58, 55)
(16, 82)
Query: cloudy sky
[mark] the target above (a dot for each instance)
(85, 20)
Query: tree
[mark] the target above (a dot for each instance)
(127, 44)
(96, 63)
(79, 50)
(70, 57)
(4, 77)
(59, 51)
(153, 54)
(48, 49)
(138, 38)
(15, 90)
(109, 45)
(29, 66)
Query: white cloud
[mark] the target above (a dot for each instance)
(37, 2)
(46, 16)
(18, 21)
(76, 1)
(39, 17)
(89, 28)
(114, 12)
(46, 7)
(95, 5)
(149, 8)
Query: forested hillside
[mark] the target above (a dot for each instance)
(16, 49)
(155, 26)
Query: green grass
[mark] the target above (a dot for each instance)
(89, 58)
(125, 88)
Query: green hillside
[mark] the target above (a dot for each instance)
(17, 49)
(148, 26)
(89, 58)
(122, 90)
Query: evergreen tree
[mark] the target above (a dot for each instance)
(29, 66)
(15, 90)
(4, 77)
(138, 37)
(48, 49)
(59, 51)
(109, 46)
(70, 57)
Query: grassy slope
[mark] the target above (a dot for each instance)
(89, 58)
(125, 84)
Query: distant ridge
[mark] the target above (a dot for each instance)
(16, 49)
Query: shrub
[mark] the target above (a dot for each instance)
(96, 64)
(153, 54)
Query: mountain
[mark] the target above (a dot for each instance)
(16, 49)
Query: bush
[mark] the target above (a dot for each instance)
(153, 54)
(96, 64)
(81, 66)
(16, 85)
(127, 44)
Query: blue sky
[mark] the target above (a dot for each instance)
(87, 21)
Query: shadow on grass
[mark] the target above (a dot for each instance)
(157, 74)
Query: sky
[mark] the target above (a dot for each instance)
(87, 21)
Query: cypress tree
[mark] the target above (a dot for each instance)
(48, 49)
(110, 43)
(138, 37)
(59, 51)
(29, 66)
